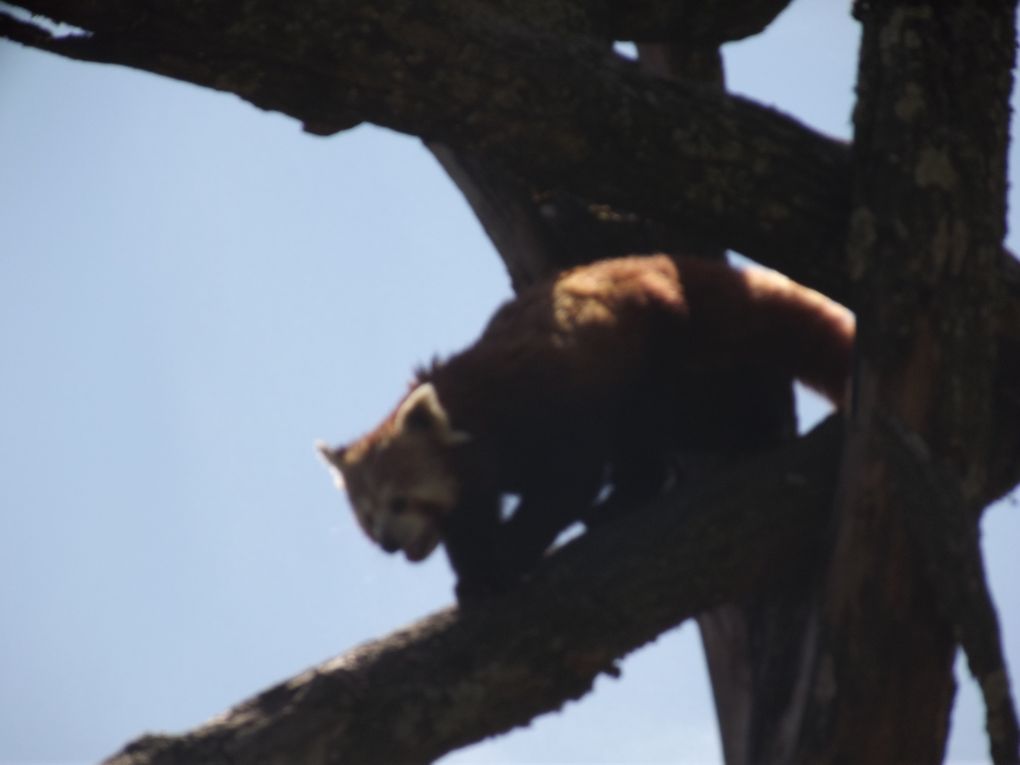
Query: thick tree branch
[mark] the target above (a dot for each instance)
(719, 168)
(508, 210)
(703, 167)
(705, 23)
(412, 696)
(415, 695)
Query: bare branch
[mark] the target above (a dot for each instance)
(416, 694)
(951, 549)
(701, 22)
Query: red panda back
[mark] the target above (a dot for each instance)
(578, 341)
(571, 344)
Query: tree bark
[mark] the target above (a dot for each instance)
(707, 23)
(703, 167)
(731, 174)
(719, 169)
(928, 220)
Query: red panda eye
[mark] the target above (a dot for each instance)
(398, 505)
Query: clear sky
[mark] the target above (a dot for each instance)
(191, 292)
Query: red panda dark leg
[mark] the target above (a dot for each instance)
(639, 462)
(471, 537)
(634, 482)
(491, 558)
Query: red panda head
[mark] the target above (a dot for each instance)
(398, 478)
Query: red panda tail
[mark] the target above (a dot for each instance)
(821, 355)
(766, 317)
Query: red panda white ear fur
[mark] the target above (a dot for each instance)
(332, 458)
(422, 411)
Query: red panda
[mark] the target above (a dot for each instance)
(586, 380)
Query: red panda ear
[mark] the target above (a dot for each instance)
(333, 459)
(422, 412)
(332, 456)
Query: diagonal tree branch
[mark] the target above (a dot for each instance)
(415, 695)
(950, 546)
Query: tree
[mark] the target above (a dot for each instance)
(886, 227)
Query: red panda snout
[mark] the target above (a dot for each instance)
(412, 531)
(393, 521)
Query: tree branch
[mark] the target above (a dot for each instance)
(414, 695)
(703, 167)
(715, 167)
(951, 551)
(705, 22)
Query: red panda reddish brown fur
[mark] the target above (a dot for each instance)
(591, 377)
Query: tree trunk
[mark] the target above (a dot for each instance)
(928, 216)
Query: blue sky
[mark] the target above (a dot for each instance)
(191, 292)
